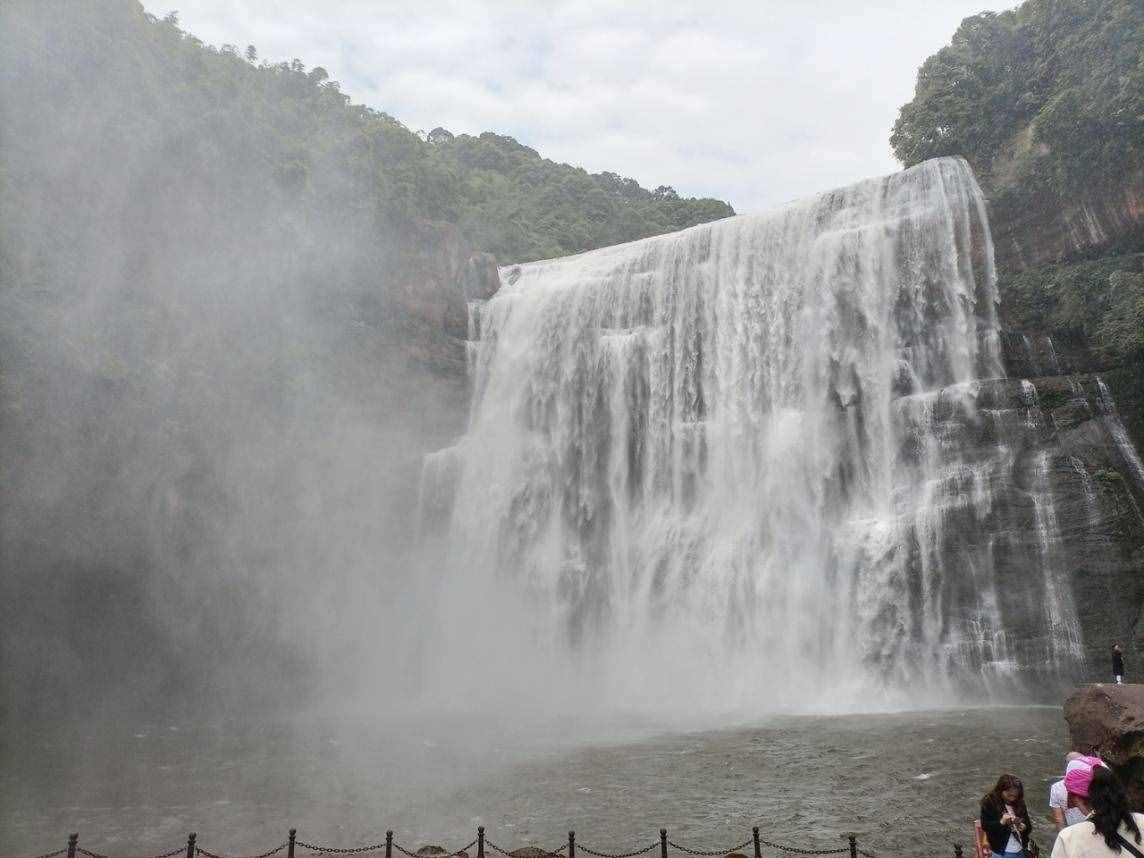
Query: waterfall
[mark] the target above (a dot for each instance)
(1063, 639)
(727, 466)
(1089, 489)
(1120, 435)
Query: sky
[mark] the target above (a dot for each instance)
(757, 103)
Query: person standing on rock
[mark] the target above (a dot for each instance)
(1063, 813)
(1118, 663)
(1005, 818)
(1109, 828)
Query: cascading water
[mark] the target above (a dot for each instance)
(721, 467)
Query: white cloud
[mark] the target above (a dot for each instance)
(757, 103)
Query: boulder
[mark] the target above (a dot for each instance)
(531, 852)
(1108, 721)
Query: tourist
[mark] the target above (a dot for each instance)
(1063, 814)
(1005, 819)
(1109, 829)
(1118, 663)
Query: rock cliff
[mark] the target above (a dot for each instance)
(435, 273)
(1089, 406)
(1056, 491)
(1049, 230)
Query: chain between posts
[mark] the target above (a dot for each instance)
(713, 853)
(580, 847)
(334, 850)
(91, 854)
(462, 851)
(267, 854)
(508, 853)
(795, 850)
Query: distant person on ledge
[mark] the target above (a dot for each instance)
(1109, 829)
(1118, 664)
(1005, 818)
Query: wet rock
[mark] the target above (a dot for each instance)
(433, 851)
(480, 279)
(1108, 721)
(1042, 483)
(531, 852)
(434, 272)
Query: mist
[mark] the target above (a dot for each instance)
(211, 437)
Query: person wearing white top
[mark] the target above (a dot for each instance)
(1109, 828)
(1063, 815)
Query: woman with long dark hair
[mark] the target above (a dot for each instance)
(1110, 829)
(1005, 818)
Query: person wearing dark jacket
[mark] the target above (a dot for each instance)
(1118, 664)
(1005, 818)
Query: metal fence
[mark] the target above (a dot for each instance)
(192, 849)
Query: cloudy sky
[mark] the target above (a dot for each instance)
(756, 102)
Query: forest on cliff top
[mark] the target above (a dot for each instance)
(1048, 96)
(1046, 102)
(505, 197)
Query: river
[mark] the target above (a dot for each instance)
(904, 782)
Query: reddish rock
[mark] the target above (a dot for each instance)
(1037, 234)
(433, 274)
(1108, 721)
(480, 278)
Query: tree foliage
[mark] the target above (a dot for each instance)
(1046, 97)
(521, 207)
(1099, 302)
(303, 131)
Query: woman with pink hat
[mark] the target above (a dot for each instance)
(1109, 828)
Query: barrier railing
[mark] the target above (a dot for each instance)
(192, 849)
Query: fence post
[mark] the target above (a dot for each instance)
(853, 846)
(191, 845)
(389, 844)
(73, 841)
(758, 848)
(571, 844)
(663, 843)
(480, 841)
(957, 850)
(290, 847)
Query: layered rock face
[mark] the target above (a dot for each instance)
(1073, 501)
(1079, 396)
(1051, 231)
